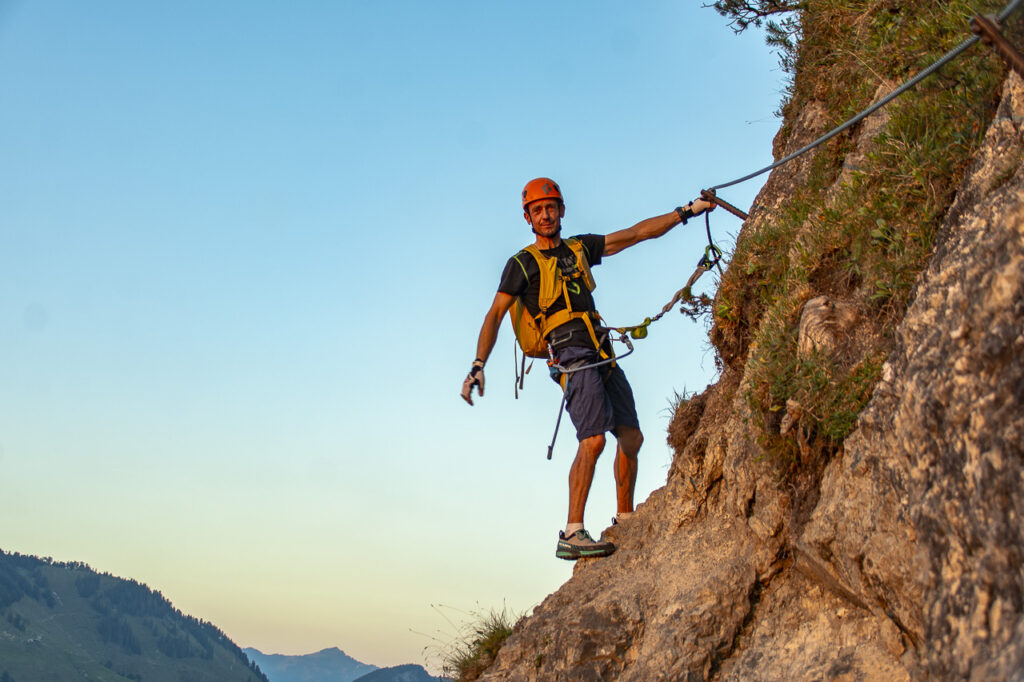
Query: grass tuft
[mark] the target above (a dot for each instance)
(478, 644)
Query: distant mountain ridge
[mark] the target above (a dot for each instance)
(326, 665)
(332, 665)
(65, 621)
(400, 673)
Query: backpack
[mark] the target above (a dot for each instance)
(531, 331)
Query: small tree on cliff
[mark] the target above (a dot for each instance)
(780, 19)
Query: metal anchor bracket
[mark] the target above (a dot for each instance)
(988, 29)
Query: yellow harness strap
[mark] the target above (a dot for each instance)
(555, 285)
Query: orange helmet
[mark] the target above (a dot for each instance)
(541, 188)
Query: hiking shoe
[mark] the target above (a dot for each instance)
(619, 518)
(609, 534)
(580, 545)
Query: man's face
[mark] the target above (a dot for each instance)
(546, 216)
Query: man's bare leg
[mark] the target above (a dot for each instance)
(629, 441)
(581, 475)
(575, 543)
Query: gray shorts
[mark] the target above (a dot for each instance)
(598, 399)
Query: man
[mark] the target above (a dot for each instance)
(599, 399)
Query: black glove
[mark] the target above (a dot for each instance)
(474, 378)
(685, 213)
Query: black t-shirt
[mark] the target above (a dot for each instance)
(521, 278)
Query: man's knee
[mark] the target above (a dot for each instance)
(630, 439)
(592, 446)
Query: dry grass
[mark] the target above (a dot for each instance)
(477, 644)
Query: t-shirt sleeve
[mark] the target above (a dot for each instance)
(593, 244)
(513, 277)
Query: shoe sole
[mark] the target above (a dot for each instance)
(574, 554)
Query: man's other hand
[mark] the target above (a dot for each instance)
(474, 378)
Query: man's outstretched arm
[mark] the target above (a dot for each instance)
(485, 344)
(650, 228)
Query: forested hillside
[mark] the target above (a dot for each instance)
(64, 621)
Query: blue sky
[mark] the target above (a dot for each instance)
(245, 251)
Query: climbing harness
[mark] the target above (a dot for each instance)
(563, 375)
(978, 26)
(531, 331)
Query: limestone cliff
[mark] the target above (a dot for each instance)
(893, 553)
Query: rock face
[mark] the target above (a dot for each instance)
(907, 565)
(922, 515)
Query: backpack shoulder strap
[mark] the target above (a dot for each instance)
(533, 251)
(547, 268)
(576, 246)
(516, 257)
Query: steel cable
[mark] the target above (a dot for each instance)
(938, 64)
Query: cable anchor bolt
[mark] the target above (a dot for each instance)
(988, 29)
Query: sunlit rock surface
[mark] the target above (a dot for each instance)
(907, 565)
